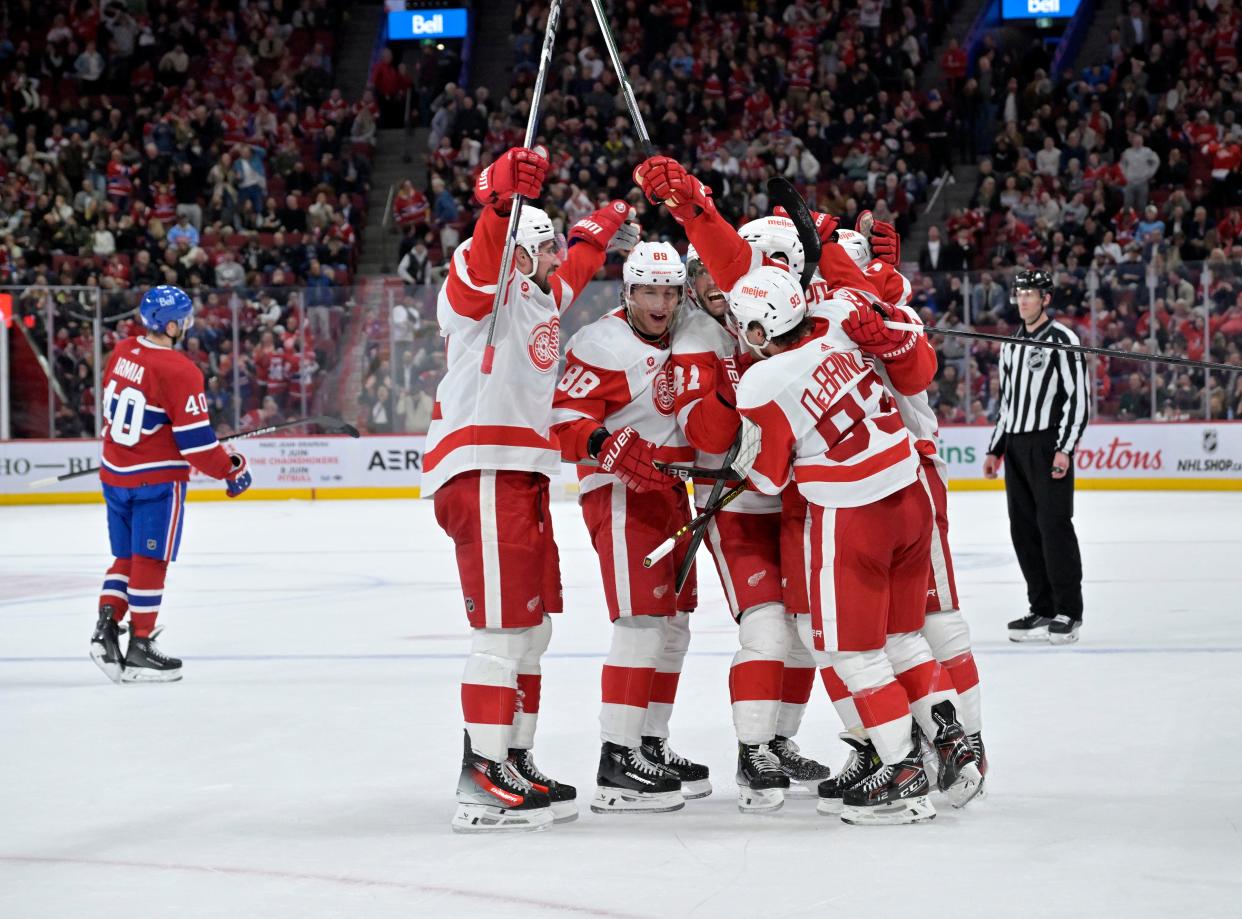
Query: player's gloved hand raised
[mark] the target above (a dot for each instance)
(600, 227)
(825, 224)
(519, 171)
(885, 243)
(866, 328)
(632, 460)
(238, 480)
(664, 180)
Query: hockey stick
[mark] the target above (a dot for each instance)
(781, 190)
(696, 540)
(697, 525)
(1062, 346)
(627, 91)
(330, 424)
(532, 121)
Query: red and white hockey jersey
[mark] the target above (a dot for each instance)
(499, 420)
(827, 423)
(156, 422)
(614, 378)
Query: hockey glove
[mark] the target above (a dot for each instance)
(632, 460)
(885, 243)
(238, 480)
(866, 328)
(825, 224)
(598, 228)
(664, 180)
(519, 171)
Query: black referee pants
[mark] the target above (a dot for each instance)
(1041, 511)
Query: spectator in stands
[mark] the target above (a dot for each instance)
(1139, 165)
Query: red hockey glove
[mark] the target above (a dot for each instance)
(598, 228)
(663, 179)
(825, 224)
(866, 328)
(632, 460)
(885, 243)
(238, 480)
(519, 171)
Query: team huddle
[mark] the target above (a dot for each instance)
(804, 382)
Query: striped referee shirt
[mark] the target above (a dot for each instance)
(1042, 388)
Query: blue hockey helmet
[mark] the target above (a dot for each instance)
(164, 304)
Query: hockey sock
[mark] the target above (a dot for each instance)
(882, 704)
(796, 682)
(949, 637)
(115, 591)
(755, 678)
(628, 674)
(842, 701)
(529, 684)
(667, 675)
(146, 590)
(926, 683)
(489, 688)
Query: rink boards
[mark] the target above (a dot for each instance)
(1171, 456)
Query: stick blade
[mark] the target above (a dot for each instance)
(43, 483)
(782, 192)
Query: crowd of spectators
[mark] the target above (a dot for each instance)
(168, 142)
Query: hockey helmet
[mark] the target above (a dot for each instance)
(534, 229)
(1030, 279)
(777, 238)
(164, 304)
(857, 246)
(769, 297)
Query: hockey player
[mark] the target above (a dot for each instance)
(766, 684)
(489, 456)
(822, 418)
(156, 426)
(615, 404)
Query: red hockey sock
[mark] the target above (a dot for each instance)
(146, 590)
(115, 591)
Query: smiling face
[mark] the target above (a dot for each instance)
(708, 294)
(651, 307)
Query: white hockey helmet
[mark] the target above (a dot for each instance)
(776, 237)
(534, 229)
(857, 246)
(770, 297)
(654, 263)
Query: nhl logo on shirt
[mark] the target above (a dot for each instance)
(662, 390)
(544, 345)
(151, 543)
(1036, 359)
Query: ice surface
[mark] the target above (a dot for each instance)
(305, 766)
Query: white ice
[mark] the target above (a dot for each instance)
(305, 766)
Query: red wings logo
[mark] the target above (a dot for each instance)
(544, 345)
(662, 390)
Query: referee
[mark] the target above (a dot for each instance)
(1043, 414)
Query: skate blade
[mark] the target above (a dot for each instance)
(621, 801)
(760, 800)
(1062, 639)
(911, 810)
(1040, 634)
(968, 786)
(483, 818)
(829, 807)
(700, 788)
(146, 675)
(112, 669)
(806, 789)
(564, 811)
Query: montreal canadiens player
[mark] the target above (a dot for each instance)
(488, 459)
(156, 426)
(615, 403)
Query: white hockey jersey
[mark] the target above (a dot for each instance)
(828, 423)
(499, 420)
(615, 378)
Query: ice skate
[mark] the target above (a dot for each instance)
(761, 782)
(106, 645)
(804, 773)
(891, 795)
(981, 758)
(146, 663)
(958, 776)
(563, 798)
(863, 760)
(629, 783)
(695, 782)
(493, 797)
(1029, 628)
(1063, 630)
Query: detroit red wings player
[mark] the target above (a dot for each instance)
(821, 418)
(489, 455)
(615, 402)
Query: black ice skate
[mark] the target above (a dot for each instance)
(804, 773)
(1029, 628)
(694, 776)
(629, 783)
(761, 782)
(1063, 630)
(563, 798)
(492, 797)
(893, 794)
(146, 663)
(863, 760)
(958, 776)
(106, 645)
(981, 757)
